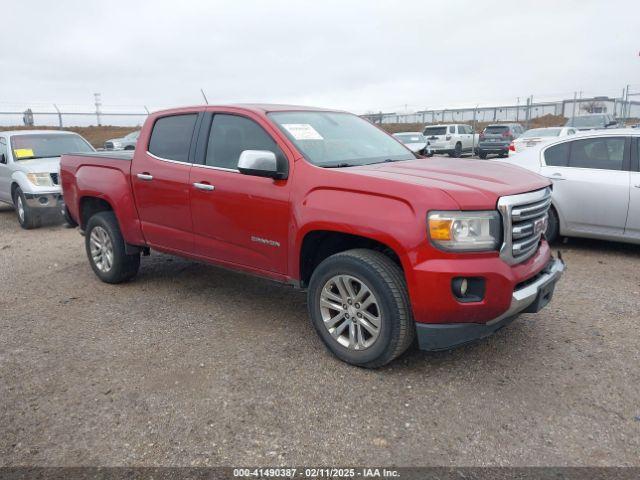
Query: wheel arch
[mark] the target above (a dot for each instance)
(319, 244)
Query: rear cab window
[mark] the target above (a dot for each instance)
(434, 131)
(171, 137)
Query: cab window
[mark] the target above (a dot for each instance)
(230, 135)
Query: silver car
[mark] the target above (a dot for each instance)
(29, 165)
(128, 142)
(414, 141)
(596, 183)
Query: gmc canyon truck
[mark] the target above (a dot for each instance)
(389, 246)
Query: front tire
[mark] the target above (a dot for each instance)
(553, 226)
(106, 250)
(359, 305)
(482, 155)
(27, 218)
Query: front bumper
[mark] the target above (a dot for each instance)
(531, 297)
(43, 201)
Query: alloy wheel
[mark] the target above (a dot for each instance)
(350, 312)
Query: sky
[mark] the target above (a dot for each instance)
(360, 56)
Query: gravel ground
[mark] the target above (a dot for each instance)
(193, 365)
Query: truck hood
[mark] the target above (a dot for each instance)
(472, 184)
(38, 165)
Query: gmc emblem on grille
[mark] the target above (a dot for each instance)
(540, 225)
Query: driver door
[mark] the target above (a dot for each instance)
(238, 219)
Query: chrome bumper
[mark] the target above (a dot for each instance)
(524, 297)
(43, 200)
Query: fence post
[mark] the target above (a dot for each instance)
(59, 116)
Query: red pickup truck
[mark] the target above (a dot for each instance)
(390, 246)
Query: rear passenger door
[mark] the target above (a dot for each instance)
(238, 219)
(591, 184)
(160, 178)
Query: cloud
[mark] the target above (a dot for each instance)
(356, 55)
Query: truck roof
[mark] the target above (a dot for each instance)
(255, 107)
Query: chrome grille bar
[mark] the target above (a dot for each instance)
(524, 219)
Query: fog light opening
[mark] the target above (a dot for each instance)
(43, 200)
(468, 289)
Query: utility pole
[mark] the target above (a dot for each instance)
(626, 105)
(98, 100)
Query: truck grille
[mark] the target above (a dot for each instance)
(54, 178)
(524, 218)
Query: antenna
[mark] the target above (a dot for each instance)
(204, 96)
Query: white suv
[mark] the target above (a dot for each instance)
(454, 139)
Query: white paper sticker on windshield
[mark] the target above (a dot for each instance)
(302, 131)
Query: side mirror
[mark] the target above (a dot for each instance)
(611, 124)
(3, 158)
(260, 163)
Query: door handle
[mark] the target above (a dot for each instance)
(557, 176)
(204, 186)
(144, 176)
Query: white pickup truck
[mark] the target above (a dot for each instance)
(453, 139)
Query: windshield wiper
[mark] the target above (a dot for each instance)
(339, 165)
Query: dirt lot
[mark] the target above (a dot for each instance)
(193, 365)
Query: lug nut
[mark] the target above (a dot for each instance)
(357, 305)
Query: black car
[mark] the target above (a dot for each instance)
(497, 138)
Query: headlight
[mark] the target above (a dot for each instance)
(40, 179)
(117, 144)
(465, 231)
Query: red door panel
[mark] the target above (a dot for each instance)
(243, 220)
(163, 202)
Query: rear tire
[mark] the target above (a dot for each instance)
(457, 151)
(27, 218)
(553, 226)
(106, 250)
(503, 154)
(482, 155)
(337, 287)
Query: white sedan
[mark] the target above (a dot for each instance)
(534, 136)
(414, 141)
(596, 183)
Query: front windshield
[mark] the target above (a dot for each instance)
(587, 121)
(541, 132)
(133, 135)
(332, 139)
(410, 137)
(43, 145)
